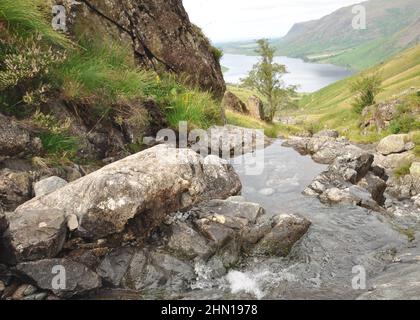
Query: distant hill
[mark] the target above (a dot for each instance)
(392, 26)
(332, 106)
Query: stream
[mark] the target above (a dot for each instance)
(321, 265)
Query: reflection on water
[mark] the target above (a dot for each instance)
(309, 76)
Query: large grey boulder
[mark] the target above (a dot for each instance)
(394, 160)
(395, 143)
(48, 185)
(415, 169)
(141, 189)
(76, 278)
(33, 234)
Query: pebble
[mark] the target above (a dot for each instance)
(37, 296)
(2, 287)
(267, 192)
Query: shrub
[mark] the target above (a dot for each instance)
(404, 124)
(366, 88)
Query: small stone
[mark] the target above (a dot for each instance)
(37, 296)
(268, 192)
(72, 222)
(48, 185)
(30, 290)
(2, 287)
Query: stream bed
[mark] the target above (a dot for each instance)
(320, 266)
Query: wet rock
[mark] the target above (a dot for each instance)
(141, 189)
(232, 102)
(37, 296)
(15, 188)
(115, 265)
(287, 230)
(78, 278)
(48, 185)
(33, 234)
(228, 208)
(157, 270)
(188, 244)
(396, 143)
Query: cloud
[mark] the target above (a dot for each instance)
(226, 20)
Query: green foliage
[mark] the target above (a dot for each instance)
(366, 88)
(404, 124)
(265, 77)
(22, 19)
(56, 143)
(197, 108)
(403, 170)
(416, 140)
(217, 53)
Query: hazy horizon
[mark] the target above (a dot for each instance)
(239, 20)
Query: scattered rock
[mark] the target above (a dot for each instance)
(48, 185)
(232, 102)
(33, 234)
(78, 279)
(327, 133)
(393, 161)
(396, 143)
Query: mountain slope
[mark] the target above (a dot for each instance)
(331, 106)
(392, 26)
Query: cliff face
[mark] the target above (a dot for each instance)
(160, 33)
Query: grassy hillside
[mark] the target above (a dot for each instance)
(392, 26)
(332, 106)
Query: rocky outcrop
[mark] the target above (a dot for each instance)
(232, 102)
(351, 176)
(160, 33)
(379, 116)
(256, 108)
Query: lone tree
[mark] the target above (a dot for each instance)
(366, 88)
(265, 77)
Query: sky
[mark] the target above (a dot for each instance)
(230, 20)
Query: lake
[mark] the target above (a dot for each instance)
(310, 77)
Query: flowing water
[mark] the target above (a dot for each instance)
(321, 264)
(310, 77)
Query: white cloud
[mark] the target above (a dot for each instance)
(225, 20)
